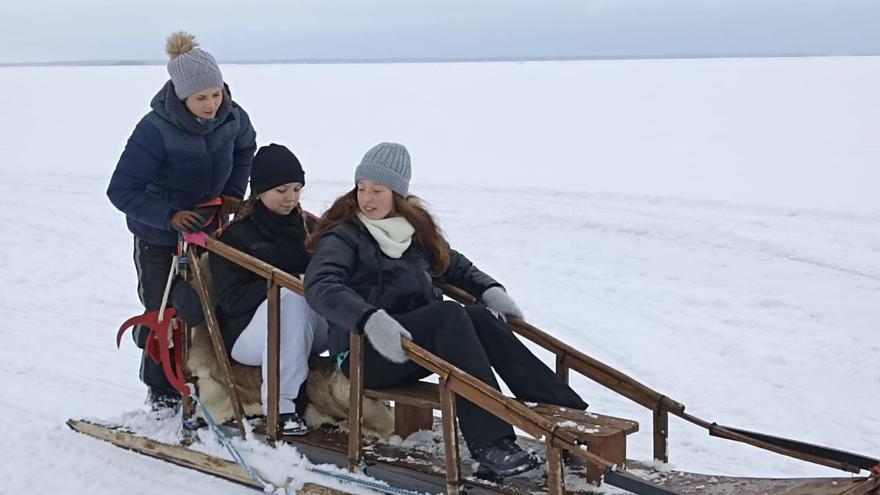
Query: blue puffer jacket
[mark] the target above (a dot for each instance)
(172, 163)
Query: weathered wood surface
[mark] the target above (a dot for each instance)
(426, 463)
(183, 456)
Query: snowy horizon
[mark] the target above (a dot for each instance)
(795, 133)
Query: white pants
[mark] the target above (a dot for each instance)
(303, 332)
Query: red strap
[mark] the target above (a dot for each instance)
(149, 320)
(157, 347)
(218, 201)
(175, 376)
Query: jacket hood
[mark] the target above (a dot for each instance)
(168, 107)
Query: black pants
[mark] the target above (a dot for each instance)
(472, 339)
(152, 263)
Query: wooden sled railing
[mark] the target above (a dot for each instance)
(569, 358)
(275, 280)
(454, 381)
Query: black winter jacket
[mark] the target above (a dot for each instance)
(349, 277)
(275, 239)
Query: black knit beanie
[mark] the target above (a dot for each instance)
(273, 166)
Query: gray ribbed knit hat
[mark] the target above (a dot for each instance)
(387, 164)
(191, 69)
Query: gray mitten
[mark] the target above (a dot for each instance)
(385, 333)
(496, 299)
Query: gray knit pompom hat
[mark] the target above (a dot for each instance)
(191, 69)
(387, 164)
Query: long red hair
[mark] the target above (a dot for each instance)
(428, 233)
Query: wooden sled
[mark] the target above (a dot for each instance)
(594, 445)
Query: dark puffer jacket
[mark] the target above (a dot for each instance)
(277, 240)
(172, 163)
(349, 277)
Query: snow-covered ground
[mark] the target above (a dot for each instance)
(709, 227)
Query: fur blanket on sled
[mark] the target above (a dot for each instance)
(326, 386)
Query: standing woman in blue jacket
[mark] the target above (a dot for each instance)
(378, 252)
(196, 145)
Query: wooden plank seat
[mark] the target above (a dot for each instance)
(603, 435)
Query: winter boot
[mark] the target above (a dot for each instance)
(503, 458)
(292, 424)
(163, 400)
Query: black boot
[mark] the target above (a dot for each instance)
(503, 458)
(163, 400)
(292, 424)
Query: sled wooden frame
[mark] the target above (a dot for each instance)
(569, 358)
(605, 436)
(452, 381)
(455, 381)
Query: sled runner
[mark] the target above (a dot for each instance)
(580, 448)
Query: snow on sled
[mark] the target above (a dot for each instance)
(582, 450)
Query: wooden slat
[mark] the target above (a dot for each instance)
(555, 476)
(450, 439)
(410, 419)
(600, 422)
(661, 434)
(356, 401)
(255, 265)
(220, 352)
(561, 368)
(183, 456)
(419, 394)
(273, 346)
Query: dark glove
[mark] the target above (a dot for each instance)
(496, 299)
(186, 301)
(187, 221)
(385, 333)
(230, 205)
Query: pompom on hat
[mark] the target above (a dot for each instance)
(191, 68)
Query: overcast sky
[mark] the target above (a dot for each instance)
(235, 30)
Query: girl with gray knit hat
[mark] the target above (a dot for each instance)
(377, 254)
(194, 148)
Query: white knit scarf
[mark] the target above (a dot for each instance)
(394, 234)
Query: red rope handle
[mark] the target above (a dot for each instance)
(157, 344)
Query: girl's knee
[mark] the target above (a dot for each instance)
(454, 318)
(451, 309)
